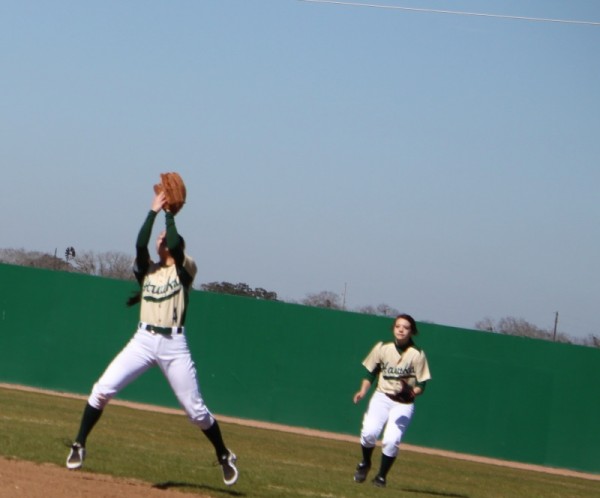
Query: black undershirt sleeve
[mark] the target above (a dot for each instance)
(175, 245)
(142, 256)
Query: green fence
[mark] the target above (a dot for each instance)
(497, 396)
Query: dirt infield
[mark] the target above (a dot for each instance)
(21, 479)
(30, 480)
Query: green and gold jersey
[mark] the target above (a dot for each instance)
(392, 364)
(164, 297)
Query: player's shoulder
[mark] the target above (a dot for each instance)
(190, 264)
(417, 348)
(189, 259)
(376, 347)
(385, 347)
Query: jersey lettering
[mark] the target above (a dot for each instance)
(152, 291)
(391, 372)
(164, 296)
(393, 366)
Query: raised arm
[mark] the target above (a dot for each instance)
(142, 255)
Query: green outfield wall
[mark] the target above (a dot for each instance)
(498, 396)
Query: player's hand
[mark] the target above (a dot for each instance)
(358, 396)
(158, 202)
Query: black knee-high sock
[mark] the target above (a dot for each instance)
(386, 464)
(89, 418)
(366, 453)
(213, 433)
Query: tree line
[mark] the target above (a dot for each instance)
(119, 266)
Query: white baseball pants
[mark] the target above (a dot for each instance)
(172, 355)
(383, 411)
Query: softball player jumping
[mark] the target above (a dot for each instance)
(402, 371)
(159, 340)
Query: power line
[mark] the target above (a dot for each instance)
(454, 12)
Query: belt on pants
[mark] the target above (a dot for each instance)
(398, 399)
(153, 329)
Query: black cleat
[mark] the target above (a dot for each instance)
(362, 469)
(379, 482)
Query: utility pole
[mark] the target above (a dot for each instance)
(555, 325)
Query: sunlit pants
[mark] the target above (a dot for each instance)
(384, 412)
(172, 355)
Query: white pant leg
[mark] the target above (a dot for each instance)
(133, 360)
(375, 418)
(175, 360)
(398, 421)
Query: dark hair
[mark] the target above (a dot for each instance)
(135, 298)
(409, 319)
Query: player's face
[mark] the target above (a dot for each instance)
(161, 244)
(402, 330)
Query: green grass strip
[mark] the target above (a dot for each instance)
(168, 452)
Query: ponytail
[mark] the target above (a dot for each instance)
(135, 298)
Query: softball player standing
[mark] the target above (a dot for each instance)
(401, 371)
(159, 340)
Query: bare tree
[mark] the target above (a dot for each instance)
(387, 310)
(324, 299)
(85, 262)
(369, 309)
(11, 256)
(486, 324)
(33, 259)
(591, 340)
(381, 309)
(115, 265)
(518, 326)
(108, 264)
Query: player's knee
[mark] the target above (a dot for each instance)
(99, 399)
(197, 412)
(204, 420)
(390, 448)
(368, 439)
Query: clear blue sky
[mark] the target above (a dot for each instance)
(445, 165)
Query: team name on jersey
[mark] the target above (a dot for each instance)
(394, 372)
(164, 291)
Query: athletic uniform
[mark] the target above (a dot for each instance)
(390, 365)
(160, 340)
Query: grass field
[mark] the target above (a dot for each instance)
(168, 452)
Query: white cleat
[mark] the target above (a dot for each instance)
(76, 457)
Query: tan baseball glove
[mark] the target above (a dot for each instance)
(174, 188)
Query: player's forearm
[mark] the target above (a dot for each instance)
(419, 388)
(362, 392)
(144, 234)
(174, 241)
(365, 385)
(172, 235)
